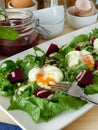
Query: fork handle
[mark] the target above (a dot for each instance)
(88, 99)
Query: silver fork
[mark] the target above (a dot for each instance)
(71, 89)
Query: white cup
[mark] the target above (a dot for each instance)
(51, 15)
(32, 8)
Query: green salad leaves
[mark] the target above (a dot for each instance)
(44, 109)
(21, 93)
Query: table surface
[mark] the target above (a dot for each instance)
(88, 121)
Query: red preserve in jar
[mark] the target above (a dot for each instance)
(24, 23)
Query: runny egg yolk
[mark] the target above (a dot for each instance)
(46, 75)
(40, 78)
(88, 60)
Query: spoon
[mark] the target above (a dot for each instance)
(4, 11)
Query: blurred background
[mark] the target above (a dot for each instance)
(41, 3)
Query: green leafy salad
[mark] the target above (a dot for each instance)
(26, 81)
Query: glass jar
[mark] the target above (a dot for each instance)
(24, 22)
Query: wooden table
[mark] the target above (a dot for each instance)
(88, 121)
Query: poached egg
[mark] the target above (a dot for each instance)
(84, 56)
(95, 44)
(46, 75)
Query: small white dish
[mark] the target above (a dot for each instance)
(54, 29)
(79, 22)
(32, 8)
(51, 15)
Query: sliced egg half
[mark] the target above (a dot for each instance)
(46, 75)
(84, 56)
(96, 44)
(87, 58)
(73, 59)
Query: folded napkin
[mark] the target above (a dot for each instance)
(6, 126)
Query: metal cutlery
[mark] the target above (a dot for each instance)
(72, 89)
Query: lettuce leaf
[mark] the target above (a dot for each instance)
(44, 109)
(91, 89)
(94, 33)
(78, 39)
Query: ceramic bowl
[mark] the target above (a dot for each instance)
(54, 29)
(79, 22)
(32, 8)
(51, 15)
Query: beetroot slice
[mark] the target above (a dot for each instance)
(96, 64)
(16, 76)
(42, 93)
(78, 48)
(85, 78)
(52, 62)
(92, 40)
(52, 48)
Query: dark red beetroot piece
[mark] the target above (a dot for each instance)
(52, 62)
(78, 48)
(85, 78)
(52, 48)
(43, 93)
(16, 76)
(96, 64)
(92, 40)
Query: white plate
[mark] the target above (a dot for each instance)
(60, 121)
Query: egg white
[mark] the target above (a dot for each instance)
(75, 56)
(95, 44)
(32, 74)
(53, 71)
(49, 71)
